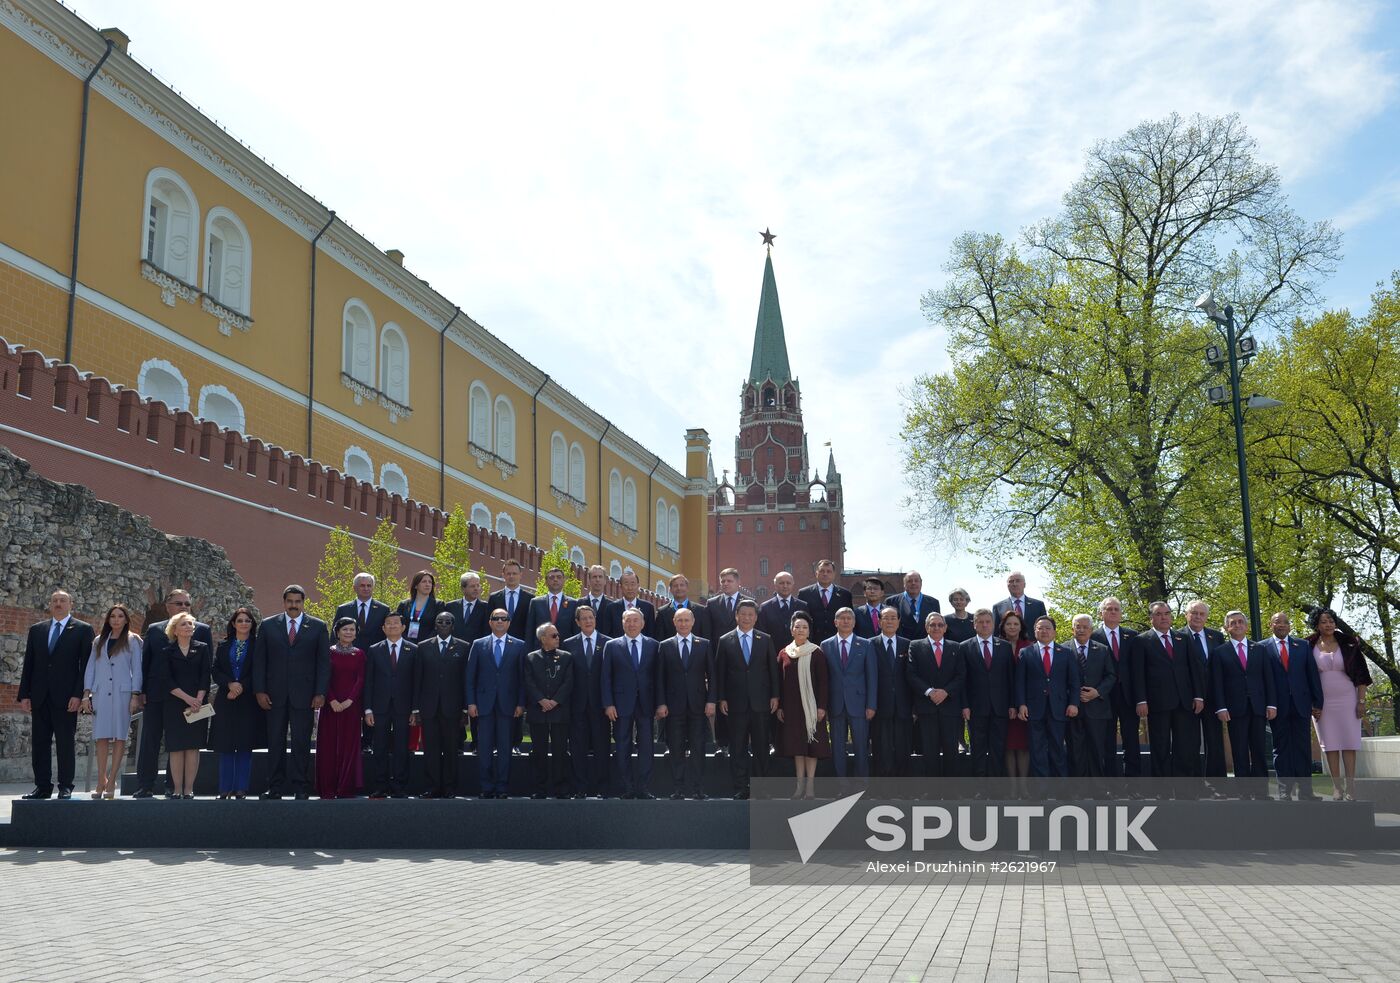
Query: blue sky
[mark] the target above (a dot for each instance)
(592, 179)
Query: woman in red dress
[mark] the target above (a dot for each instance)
(1018, 745)
(338, 773)
(802, 700)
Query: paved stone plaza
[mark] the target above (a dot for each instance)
(254, 915)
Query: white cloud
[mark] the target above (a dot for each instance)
(588, 181)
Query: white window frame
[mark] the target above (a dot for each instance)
(482, 439)
(504, 412)
(386, 333)
(221, 392)
(504, 519)
(242, 304)
(161, 365)
(478, 508)
(578, 472)
(356, 451)
(386, 471)
(188, 271)
(348, 343)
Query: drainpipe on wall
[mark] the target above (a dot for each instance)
(311, 341)
(651, 505)
(600, 490)
(78, 203)
(442, 410)
(535, 453)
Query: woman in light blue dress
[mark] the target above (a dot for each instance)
(111, 690)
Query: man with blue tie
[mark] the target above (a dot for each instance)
(50, 691)
(513, 599)
(1047, 691)
(687, 701)
(855, 682)
(1242, 679)
(470, 614)
(680, 601)
(589, 741)
(495, 699)
(746, 685)
(555, 608)
(1298, 689)
(630, 697)
(914, 607)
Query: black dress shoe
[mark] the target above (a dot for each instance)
(539, 795)
(580, 795)
(270, 795)
(38, 793)
(741, 795)
(700, 796)
(488, 795)
(398, 795)
(378, 795)
(301, 796)
(645, 795)
(563, 795)
(677, 795)
(140, 793)
(65, 793)
(429, 795)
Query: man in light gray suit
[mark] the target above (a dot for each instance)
(854, 676)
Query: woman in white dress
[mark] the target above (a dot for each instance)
(111, 692)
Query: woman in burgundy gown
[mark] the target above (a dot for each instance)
(802, 701)
(1018, 745)
(338, 773)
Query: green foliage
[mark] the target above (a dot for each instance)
(389, 587)
(558, 556)
(335, 577)
(452, 555)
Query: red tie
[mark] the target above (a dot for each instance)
(394, 654)
(874, 618)
(292, 632)
(1167, 644)
(1239, 647)
(986, 653)
(938, 653)
(553, 610)
(1283, 654)
(1113, 637)
(1046, 660)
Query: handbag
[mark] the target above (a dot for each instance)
(205, 711)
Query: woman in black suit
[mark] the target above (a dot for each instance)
(239, 723)
(186, 679)
(421, 609)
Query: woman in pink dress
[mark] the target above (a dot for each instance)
(1342, 669)
(338, 773)
(1018, 735)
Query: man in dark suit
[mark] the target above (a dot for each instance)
(687, 703)
(388, 702)
(775, 614)
(1243, 686)
(549, 686)
(937, 677)
(589, 740)
(914, 607)
(470, 614)
(630, 696)
(868, 614)
(1031, 609)
(891, 732)
(680, 600)
(989, 696)
(823, 600)
(153, 650)
(1169, 690)
(367, 612)
(595, 593)
(56, 651)
(1124, 720)
(630, 599)
(1047, 691)
(1298, 689)
(291, 670)
(439, 687)
(722, 606)
(1098, 678)
(746, 685)
(495, 699)
(513, 599)
(853, 683)
(1203, 642)
(555, 608)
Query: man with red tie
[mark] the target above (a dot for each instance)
(1245, 697)
(990, 700)
(554, 607)
(1117, 638)
(937, 676)
(868, 614)
(1047, 691)
(1169, 690)
(823, 600)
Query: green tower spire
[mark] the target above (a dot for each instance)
(770, 357)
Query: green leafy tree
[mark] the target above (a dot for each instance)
(384, 564)
(1073, 424)
(452, 555)
(558, 556)
(335, 577)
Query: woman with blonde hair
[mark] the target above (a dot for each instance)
(186, 678)
(111, 694)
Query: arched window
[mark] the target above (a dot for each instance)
(480, 430)
(170, 225)
(393, 480)
(558, 462)
(629, 503)
(220, 406)
(505, 525)
(357, 465)
(826, 523)
(661, 589)
(763, 566)
(615, 570)
(758, 525)
(738, 525)
(505, 429)
(576, 556)
(393, 363)
(357, 360)
(782, 525)
(481, 516)
(662, 518)
(673, 532)
(228, 260)
(158, 379)
(576, 472)
(770, 397)
(615, 495)
(802, 524)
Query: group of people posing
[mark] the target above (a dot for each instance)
(807, 674)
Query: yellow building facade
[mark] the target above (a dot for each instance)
(204, 278)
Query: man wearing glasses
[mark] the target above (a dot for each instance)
(549, 686)
(495, 697)
(153, 653)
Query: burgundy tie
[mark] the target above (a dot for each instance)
(845, 655)
(1244, 662)
(938, 653)
(394, 655)
(874, 619)
(291, 631)
(1018, 607)
(987, 653)
(1113, 637)
(1167, 644)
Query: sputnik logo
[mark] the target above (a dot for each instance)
(811, 828)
